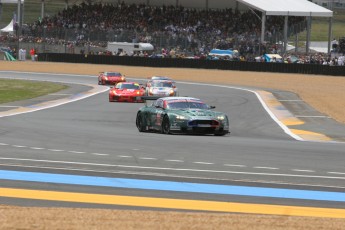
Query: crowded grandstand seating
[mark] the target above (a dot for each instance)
(180, 29)
(193, 29)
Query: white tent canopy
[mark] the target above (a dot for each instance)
(8, 28)
(288, 8)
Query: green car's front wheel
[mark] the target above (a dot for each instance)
(166, 125)
(222, 133)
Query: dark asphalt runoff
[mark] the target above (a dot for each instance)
(259, 162)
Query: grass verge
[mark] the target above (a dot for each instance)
(15, 90)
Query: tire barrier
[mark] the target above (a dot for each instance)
(316, 69)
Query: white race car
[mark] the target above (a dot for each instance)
(162, 88)
(155, 78)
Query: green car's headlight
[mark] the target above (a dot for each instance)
(180, 117)
(221, 117)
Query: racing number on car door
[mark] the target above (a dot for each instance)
(159, 111)
(159, 117)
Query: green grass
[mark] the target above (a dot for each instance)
(32, 9)
(15, 90)
(320, 27)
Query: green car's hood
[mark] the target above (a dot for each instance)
(197, 113)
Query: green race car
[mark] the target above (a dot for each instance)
(181, 115)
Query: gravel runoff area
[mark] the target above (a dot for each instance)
(324, 93)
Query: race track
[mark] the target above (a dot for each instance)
(83, 145)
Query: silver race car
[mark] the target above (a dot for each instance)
(162, 88)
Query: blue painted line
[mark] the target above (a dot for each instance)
(172, 186)
(77, 95)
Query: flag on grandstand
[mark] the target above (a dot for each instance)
(220, 52)
(224, 53)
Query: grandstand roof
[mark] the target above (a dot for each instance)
(288, 7)
(270, 7)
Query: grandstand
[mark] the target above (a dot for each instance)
(188, 25)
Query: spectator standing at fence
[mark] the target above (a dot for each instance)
(24, 54)
(13, 52)
(341, 60)
(20, 58)
(32, 54)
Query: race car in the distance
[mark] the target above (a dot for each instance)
(110, 78)
(161, 88)
(158, 78)
(181, 115)
(126, 92)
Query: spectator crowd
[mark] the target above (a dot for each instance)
(175, 31)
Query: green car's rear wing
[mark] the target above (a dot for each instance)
(150, 98)
(147, 98)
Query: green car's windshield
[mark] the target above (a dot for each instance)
(187, 105)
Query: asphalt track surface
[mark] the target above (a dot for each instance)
(75, 149)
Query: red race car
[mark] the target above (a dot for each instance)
(126, 92)
(110, 78)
